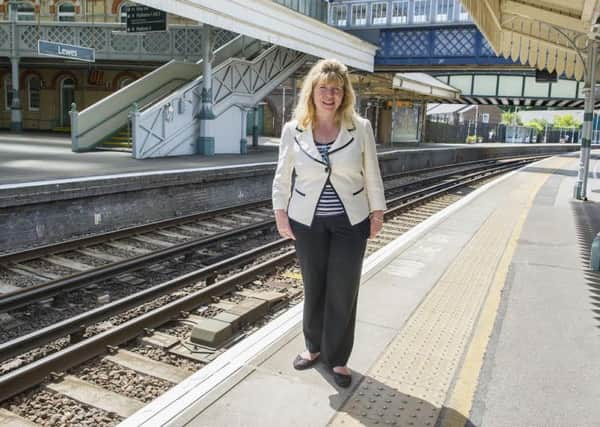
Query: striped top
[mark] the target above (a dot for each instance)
(329, 204)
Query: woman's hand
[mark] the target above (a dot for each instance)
(376, 218)
(283, 224)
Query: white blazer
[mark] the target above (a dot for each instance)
(353, 171)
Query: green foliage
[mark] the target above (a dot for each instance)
(511, 118)
(536, 124)
(471, 139)
(566, 122)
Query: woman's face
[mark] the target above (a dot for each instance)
(327, 97)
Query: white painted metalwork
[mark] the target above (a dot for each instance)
(273, 23)
(110, 40)
(236, 83)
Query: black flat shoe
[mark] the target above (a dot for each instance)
(342, 380)
(301, 363)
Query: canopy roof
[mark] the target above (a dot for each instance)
(424, 84)
(268, 21)
(541, 33)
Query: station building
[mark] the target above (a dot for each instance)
(42, 89)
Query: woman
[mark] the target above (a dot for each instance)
(335, 203)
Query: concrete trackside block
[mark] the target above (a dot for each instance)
(250, 310)
(10, 419)
(211, 332)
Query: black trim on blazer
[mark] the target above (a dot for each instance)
(358, 192)
(300, 192)
(308, 154)
(343, 146)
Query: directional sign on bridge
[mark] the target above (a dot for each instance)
(143, 19)
(69, 51)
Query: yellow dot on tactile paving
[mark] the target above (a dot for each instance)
(292, 275)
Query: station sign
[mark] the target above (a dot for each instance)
(67, 51)
(144, 19)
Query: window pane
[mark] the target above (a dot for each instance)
(400, 12)
(34, 93)
(66, 12)
(359, 14)
(463, 14)
(421, 11)
(444, 11)
(339, 13)
(379, 13)
(25, 12)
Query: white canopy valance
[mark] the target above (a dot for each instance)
(546, 34)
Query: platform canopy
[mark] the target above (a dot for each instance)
(270, 22)
(546, 34)
(403, 86)
(424, 85)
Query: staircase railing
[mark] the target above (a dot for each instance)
(102, 119)
(171, 125)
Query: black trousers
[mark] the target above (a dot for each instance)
(330, 252)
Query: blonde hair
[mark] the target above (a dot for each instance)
(326, 71)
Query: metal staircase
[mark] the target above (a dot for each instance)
(96, 125)
(171, 127)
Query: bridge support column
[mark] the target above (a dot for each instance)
(580, 190)
(206, 141)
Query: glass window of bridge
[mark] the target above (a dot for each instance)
(25, 11)
(8, 94)
(34, 84)
(379, 13)
(123, 11)
(339, 15)
(359, 14)
(444, 10)
(399, 12)
(421, 11)
(66, 12)
(463, 15)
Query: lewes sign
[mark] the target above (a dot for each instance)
(68, 51)
(143, 19)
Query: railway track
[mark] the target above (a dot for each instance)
(133, 354)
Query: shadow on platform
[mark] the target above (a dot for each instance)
(372, 403)
(587, 217)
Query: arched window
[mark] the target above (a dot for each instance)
(123, 11)
(8, 95)
(25, 11)
(34, 85)
(66, 12)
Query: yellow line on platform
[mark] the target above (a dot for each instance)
(460, 401)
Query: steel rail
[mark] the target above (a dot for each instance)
(29, 376)
(124, 232)
(12, 300)
(75, 324)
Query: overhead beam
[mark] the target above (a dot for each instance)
(543, 15)
(277, 24)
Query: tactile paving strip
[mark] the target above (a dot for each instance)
(408, 385)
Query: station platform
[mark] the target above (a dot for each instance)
(40, 158)
(485, 314)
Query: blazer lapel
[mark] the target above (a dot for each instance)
(344, 138)
(304, 138)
